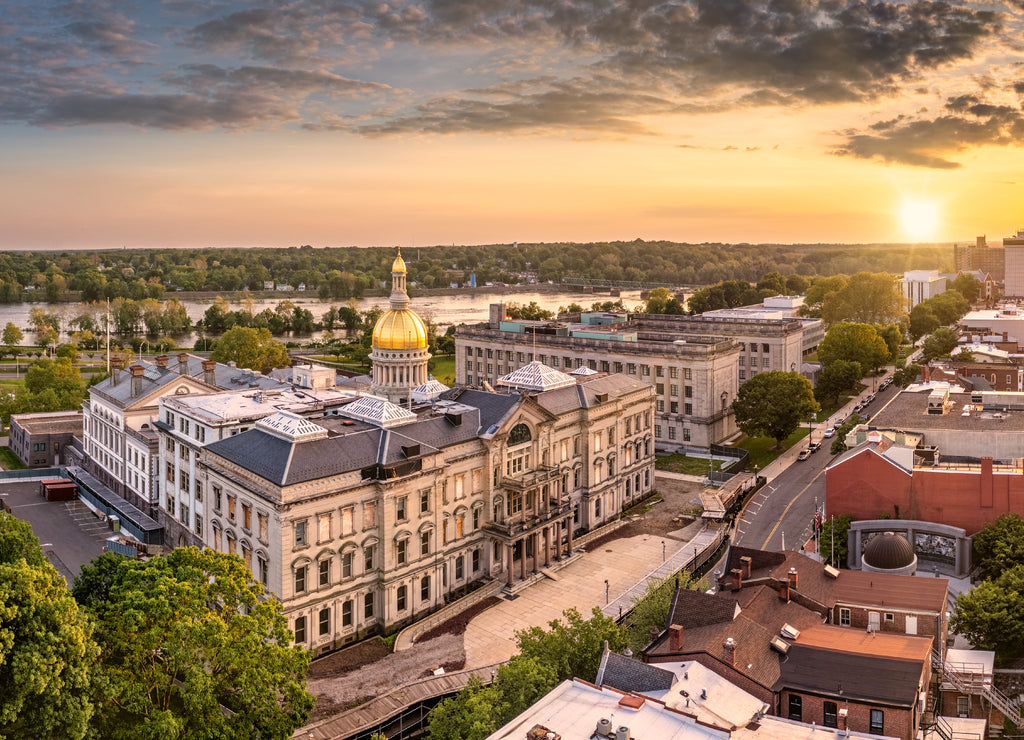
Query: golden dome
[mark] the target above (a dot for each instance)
(400, 328)
(399, 264)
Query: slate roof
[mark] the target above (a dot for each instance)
(536, 376)
(697, 609)
(155, 377)
(629, 674)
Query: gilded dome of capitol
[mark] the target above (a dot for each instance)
(399, 264)
(400, 329)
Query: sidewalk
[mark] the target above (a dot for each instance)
(625, 564)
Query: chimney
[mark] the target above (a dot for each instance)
(183, 363)
(737, 579)
(161, 361)
(745, 566)
(209, 377)
(784, 590)
(137, 371)
(793, 578)
(115, 368)
(729, 649)
(675, 637)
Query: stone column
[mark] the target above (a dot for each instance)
(508, 566)
(522, 558)
(547, 546)
(569, 535)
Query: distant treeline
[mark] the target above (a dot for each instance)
(347, 272)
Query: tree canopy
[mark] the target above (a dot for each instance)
(941, 343)
(838, 377)
(774, 404)
(999, 546)
(991, 615)
(192, 648)
(867, 297)
(251, 348)
(47, 651)
(649, 613)
(858, 343)
(660, 300)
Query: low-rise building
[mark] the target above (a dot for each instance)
(917, 286)
(38, 439)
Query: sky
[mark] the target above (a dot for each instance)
(224, 123)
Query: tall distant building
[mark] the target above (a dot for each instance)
(981, 256)
(1013, 246)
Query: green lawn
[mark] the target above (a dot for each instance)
(762, 449)
(444, 368)
(10, 461)
(679, 463)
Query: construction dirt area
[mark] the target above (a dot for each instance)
(349, 677)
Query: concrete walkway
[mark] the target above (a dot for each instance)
(625, 564)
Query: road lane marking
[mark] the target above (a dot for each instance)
(788, 506)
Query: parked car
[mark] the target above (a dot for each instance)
(815, 446)
(829, 433)
(804, 454)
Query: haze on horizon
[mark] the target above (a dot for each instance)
(423, 122)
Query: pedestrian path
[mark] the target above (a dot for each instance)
(607, 577)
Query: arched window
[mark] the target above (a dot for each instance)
(520, 434)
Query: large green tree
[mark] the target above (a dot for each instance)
(252, 348)
(941, 343)
(660, 300)
(858, 343)
(572, 648)
(774, 404)
(838, 377)
(868, 297)
(47, 652)
(192, 648)
(923, 320)
(57, 377)
(12, 335)
(999, 546)
(991, 615)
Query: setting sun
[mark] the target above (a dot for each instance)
(919, 219)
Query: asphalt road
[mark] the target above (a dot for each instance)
(781, 515)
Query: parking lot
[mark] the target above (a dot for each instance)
(69, 533)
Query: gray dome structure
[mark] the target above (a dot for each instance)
(889, 552)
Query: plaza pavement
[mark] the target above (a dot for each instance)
(624, 563)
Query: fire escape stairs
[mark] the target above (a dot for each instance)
(974, 684)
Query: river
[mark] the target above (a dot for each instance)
(467, 307)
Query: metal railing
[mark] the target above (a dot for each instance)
(970, 684)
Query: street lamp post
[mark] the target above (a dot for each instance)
(606, 591)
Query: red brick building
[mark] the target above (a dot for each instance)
(874, 479)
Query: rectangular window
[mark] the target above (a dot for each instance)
(368, 606)
(688, 391)
(325, 621)
(300, 579)
(400, 551)
(300, 534)
(795, 707)
(657, 430)
(170, 472)
(262, 519)
(346, 614)
(247, 517)
(630, 368)
(199, 490)
(323, 529)
(458, 568)
(831, 718)
(688, 373)
(674, 407)
(659, 406)
(183, 481)
(300, 629)
(688, 409)
(671, 432)
(348, 521)
(844, 617)
(325, 572)
(659, 388)
(400, 598)
(400, 508)
(476, 560)
(686, 434)
(424, 502)
(368, 558)
(425, 588)
(261, 562)
(346, 565)
(231, 508)
(424, 543)
(877, 725)
(659, 371)
(199, 526)
(369, 515)
(216, 497)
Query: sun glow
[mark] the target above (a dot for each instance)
(919, 219)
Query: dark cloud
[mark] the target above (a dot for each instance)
(928, 142)
(596, 66)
